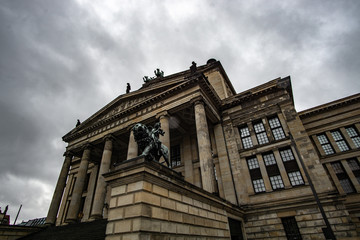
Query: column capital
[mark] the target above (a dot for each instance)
(197, 100)
(162, 114)
(109, 137)
(87, 146)
(68, 154)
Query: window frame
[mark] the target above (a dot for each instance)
(276, 130)
(291, 167)
(245, 139)
(340, 140)
(261, 133)
(255, 175)
(325, 145)
(354, 135)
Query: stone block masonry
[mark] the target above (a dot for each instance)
(149, 201)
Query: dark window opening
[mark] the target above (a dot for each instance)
(255, 174)
(291, 167)
(291, 228)
(273, 171)
(343, 177)
(175, 156)
(235, 229)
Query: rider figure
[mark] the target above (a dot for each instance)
(155, 132)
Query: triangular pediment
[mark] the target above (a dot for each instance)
(124, 104)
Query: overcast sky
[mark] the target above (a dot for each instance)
(63, 60)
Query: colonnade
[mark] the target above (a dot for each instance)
(205, 159)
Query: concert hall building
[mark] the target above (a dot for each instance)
(242, 165)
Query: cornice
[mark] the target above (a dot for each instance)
(330, 106)
(271, 86)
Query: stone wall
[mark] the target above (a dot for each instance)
(309, 222)
(148, 204)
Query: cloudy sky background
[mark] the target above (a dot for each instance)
(63, 60)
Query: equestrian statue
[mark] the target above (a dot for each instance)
(150, 146)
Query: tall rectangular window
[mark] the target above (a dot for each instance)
(343, 177)
(260, 133)
(273, 171)
(255, 175)
(276, 128)
(245, 137)
(291, 167)
(175, 156)
(351, 131)
(325, 144)
(339, 140)
(291, 228)
(355, 168)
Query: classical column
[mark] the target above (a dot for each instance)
(205, 156)
(165, 126)
(133, 146)
(59, 189)
(100, 192)
(79, 186)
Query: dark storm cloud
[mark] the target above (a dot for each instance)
(63, 60)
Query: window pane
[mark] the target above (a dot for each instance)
(325, 144)
(247, 143)
(269, 159)
(262, 138)
(278, 133)
(340, 141)
(322, 139)
(354, 136)
(244, 132)
(351, 131)
(259, 127)
(274, 122)
(337, 167)
(296, 178)
(353, 164)
(253, 163)
(276, 182)
(342, 145)
(259, 185)
(287, 155)
(328, 149)
(346, 185)
(336, 135)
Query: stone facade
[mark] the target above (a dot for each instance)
(243, 165)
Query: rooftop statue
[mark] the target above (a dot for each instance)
(158, 74)
(149, 143)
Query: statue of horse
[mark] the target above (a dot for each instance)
(149, 144)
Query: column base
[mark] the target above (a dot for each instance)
(70, 221)
(95, 217)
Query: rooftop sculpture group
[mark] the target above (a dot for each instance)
(158, 74)
(147, 138)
